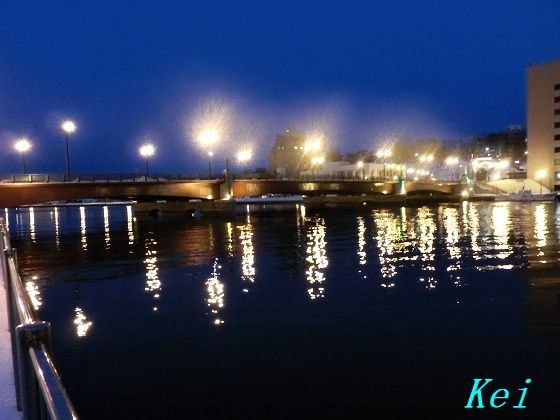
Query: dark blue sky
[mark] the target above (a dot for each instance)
(366, 71)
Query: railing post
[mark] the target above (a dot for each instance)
(30, 393)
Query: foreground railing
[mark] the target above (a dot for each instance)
(39, 390)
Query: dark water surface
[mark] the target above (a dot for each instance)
(294, 315)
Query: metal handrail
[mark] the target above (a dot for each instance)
(56, 398)
(39, 389)
(23, 306)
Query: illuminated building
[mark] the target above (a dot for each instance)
(543, 123)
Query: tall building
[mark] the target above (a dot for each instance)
(543, 124)
(286, 157)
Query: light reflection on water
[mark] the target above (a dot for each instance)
(431, 246)
(215, 294)
(248, 252)
(316, 257)
(255, 298)
(153, 283)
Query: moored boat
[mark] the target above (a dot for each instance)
(270, 198)
(526, 195)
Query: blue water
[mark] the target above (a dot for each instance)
(377, 312)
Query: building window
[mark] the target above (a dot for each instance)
(557, 125)
(557, 137)
(557, 111)
(557, 86)
(557, 176)
(556, 99)
(557, 150)
(557, 162)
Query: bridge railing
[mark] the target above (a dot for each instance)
(97, 178)
(160, 177)
(39, 390)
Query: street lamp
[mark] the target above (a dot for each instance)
(68, 127)
(312, 144)
(207, 139)
(22, 146)
(316, 161)
(540, 174)
(360, 165)
(244, 156)
(383, 154)
(147, 151)
(451, 161)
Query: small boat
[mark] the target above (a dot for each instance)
(526, 195)
(270, 199)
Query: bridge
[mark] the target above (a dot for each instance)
(33, 189)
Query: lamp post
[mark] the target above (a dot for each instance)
(210, 154)
(451, 161)
(68, 127)
(22, 146)
(207, 139)
(383, 154)
(147, 151)
(360, 165)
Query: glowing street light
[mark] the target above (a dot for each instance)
(360, 166)
(22, 146)
(147, 150)
(317, 161)
(313, 144)
(426, 158)
(207, 139)
(540, 174)
(243, 157)
(451, 161)
(384, 153)
(68, 127)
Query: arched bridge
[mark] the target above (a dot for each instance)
(41, 189)
(17, 194)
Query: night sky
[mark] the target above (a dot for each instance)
(364, 71)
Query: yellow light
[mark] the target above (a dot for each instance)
(22, 145)
(147, 150)
(360, 164)
(208, 137)
(313, 144)
(385, 152)
(244, 155)
(68, 126)
(540, 174)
